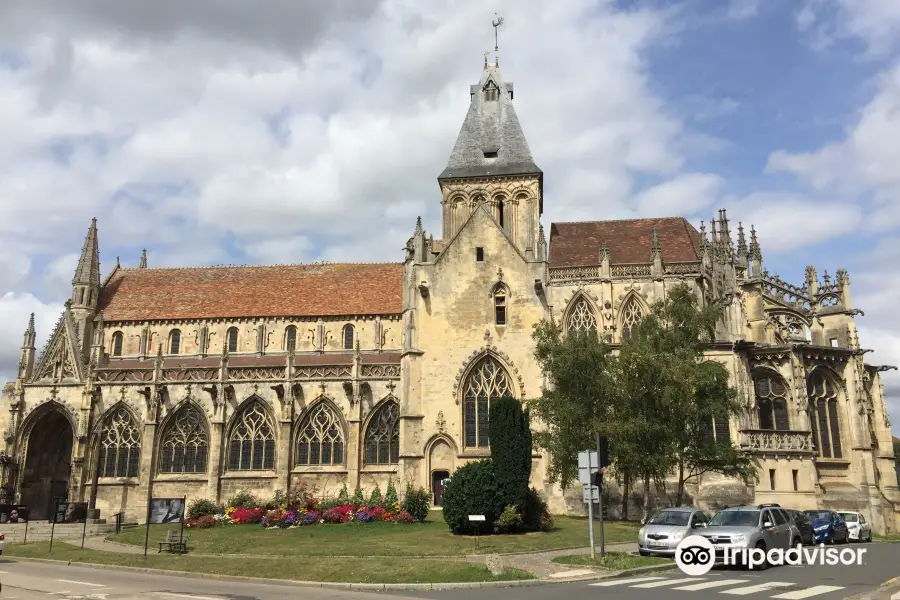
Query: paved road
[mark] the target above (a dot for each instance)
(820, 582)
(41, 581)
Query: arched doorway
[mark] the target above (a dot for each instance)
(48, 457)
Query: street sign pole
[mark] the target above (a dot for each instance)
(591, 522)
(587, 467)
(600, 495)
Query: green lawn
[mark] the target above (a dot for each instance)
(353, 570)
(614, 561)
(885, 538)
(431, 538)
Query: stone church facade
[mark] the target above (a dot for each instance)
(205, 381)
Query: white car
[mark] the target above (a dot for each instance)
(858, 529)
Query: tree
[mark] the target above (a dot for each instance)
(578, 397)
(672, 396)
(510, 450)
(897, 456)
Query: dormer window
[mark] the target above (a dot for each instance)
(491, 92)
(490, 154)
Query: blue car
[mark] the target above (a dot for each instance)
(828, 527)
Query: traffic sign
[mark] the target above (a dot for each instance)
(587, 466)
(591, 494)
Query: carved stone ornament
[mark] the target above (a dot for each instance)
(488, 348)
(440, 423)
(777, 441)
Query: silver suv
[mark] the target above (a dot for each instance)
(765, 526)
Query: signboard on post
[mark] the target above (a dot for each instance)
(478, 519)
(587, 466)
(591, 494)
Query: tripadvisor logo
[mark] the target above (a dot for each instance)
(695, 555)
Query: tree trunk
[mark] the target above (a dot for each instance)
(680, 495)
(625, 493)
(645, 513)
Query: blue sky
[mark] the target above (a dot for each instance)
(213, 133)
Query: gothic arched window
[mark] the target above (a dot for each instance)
(348, 337)
(581, 318)
(488, 379)
(251, 444)
(631, 316)
(231, 339)
(118, 340)
(383, 435)
(175, 341)
(120, 445)
(771, 402)
(290, 338)
(185, 444)
(320, 438)
(823, 408)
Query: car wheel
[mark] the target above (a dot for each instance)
(797, 542)
(762, 546)
(643, 553)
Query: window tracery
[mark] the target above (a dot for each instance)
(824, 418)
(771, 402)
(251, 444)
(488, 379)
(120, 446)
(185, 445)
(581, 318)
(320, 439)
(500, 307)
(631, 316)
(382, 441)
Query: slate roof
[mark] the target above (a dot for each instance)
(264, 291)
(490, 126)
(629, 241)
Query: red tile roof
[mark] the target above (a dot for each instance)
(629, 241)
(269, 291)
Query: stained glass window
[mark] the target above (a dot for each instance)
(185, 444)
(487, 380)
(120, 445)
(251, 445)
(383, 435)
(320, 439)
(581, 318)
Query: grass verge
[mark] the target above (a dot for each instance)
(885, 538)
(431, 538)
(352, 570)
(614, 561)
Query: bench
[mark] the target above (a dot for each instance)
(174, 542)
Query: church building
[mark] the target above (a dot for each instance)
(165, 382)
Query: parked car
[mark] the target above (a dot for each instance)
(857, 526)
(828, 526)
(663, 531)
(765, 526)
(801, 521)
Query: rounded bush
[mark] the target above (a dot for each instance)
(472, 490)
(201, 507)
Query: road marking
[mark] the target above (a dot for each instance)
(752, 589)
(81, 583)
(575, 573)
(710, 584)
(624, 581)
(896, 596)
(189, 596)
(813, 591)
(666, 582)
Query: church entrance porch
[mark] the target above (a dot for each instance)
(438, 479)
(48, 456)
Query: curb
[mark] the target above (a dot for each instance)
(348, 586)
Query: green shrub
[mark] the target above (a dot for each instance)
(357, 498)
(510, 521)
(390, 496)
(416, 502)
(510, 449)
(343, 497)
(201, 507)
(472, 490)
(375, 499)
(537, 516)
(243, 499)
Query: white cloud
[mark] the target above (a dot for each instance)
(743, 9)
(685, 194)
(876, 22)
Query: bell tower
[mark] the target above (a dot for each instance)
(491, 164)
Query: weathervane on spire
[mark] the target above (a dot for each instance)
(496, 23)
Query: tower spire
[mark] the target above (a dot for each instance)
(143, 264)
(88, 270)
(755, 255)
(496, 23)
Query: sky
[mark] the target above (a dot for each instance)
(233, 132)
